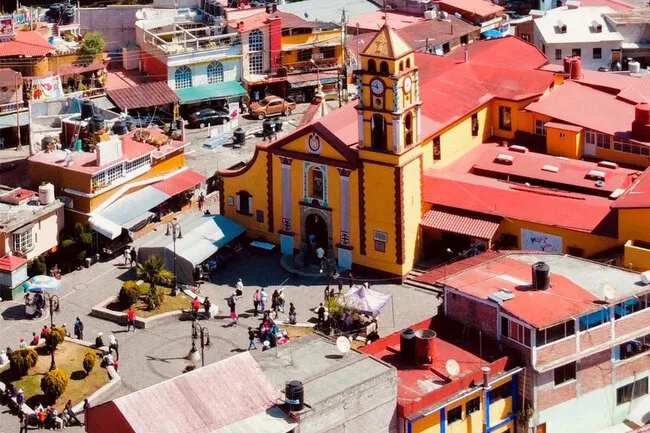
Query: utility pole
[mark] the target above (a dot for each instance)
(344, 66)
(20, 145)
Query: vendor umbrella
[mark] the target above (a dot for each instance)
(41, 283)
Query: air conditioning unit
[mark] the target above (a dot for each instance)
(551, 168)
(596, 174)
(608, 164)
(502, 158)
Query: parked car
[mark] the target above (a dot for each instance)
(272, 106)
(146, 121)
(208, 116)
(514, 15)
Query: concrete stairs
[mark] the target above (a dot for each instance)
(417, 271)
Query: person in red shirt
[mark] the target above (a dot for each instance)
(130, 319)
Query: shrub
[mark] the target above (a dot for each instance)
(92, 45)
(22, 360)
(37, 267)
(89, 361)
(54, 337)
(155, 297)
(129, 293)
(54, 382)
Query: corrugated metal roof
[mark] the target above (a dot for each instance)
(203, 400)
(462, 224)
(133, 205)
(180, 182)
(30, 43)
(273, 420)
(143, 95)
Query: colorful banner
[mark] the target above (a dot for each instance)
(47, 88)
(537, 241)
(6, 25)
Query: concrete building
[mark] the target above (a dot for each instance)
(634, 27)
(29, 224)
(580, 326)
(578, 31)
(115, 22)
(348, 393)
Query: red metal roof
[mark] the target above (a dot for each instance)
(374, 20)
(157, 93)
(616, 5)
(482, 8)
(442, 272)
(26, 43)
(509, 52)
(11, 263)
(201, 401)
(461, 223)
(180, 183)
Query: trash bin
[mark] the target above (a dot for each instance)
(268, 126)
(278, 125)
(239, 137)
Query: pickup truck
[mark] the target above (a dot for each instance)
(271, 106)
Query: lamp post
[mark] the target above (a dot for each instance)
(319, 88)
(53, 302)
(330, 268)
(202, 333)
(174, 228)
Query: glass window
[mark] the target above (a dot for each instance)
(475, 125)
(304, 55)
(23, 242)
(631, 391)
(632, 348)
(564, 373)
(515, 331)
(576, 52)
(594, 319)
(505, 122)
(244, 203)
(114, 173)
(597, 53)
(645, 151)
(554, 333)
(215, 73)
(137, 164)
(501, 392)
(540, 129)
(436, 148)
(183, 77)
(255, 63)
(328, 52)
(408, 129)
(454, 415)
(380, 238)
(472, 406)
(255, 41)
(383, 68)
(316, 183)
(558, 54)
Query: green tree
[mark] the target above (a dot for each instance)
(92, 45)
(54, 382)
(129, 293)
(153, 272)
(37, 266)
(55, 336)
(155, 297)
(89, 361)
(22, 360)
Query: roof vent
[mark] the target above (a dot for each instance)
(596, 26)
(501, 296)
(551, 168)
(596, 175)
(617, 193)
(608, 164)
(600, 183)
(517, 148)
(502, 158)
(561, 27)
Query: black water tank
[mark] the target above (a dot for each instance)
(130, 123)
(295, 396)
(407, 344)
(541, 276)
(218, 10)
(55, 11)
(87, 109)
(278, 125)
(239, 136)
(96, 123)
(268, 125)
(67, 16)
(120, 127)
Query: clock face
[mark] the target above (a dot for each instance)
(377, 86)
(407, 84)
(314, 143)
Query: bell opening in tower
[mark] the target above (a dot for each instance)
(378, 127)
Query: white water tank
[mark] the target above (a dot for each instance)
(46, 193)
(634, 67)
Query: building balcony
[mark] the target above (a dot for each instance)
(11, 107)
(184, 38)
(636, 255)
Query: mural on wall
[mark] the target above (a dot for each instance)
(537, 241)
(6, 26)
(46, 88)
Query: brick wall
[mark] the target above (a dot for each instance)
(629, 367)
(632, 323)
(472, 313)
(549, 395)
(595, 337)
(556, 350)
(595, 371)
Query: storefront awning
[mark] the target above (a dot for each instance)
(133, 205)
(180, 183)
(9, 120)
(226, 89)
(308, 79)
(482, 227)
(143, 96)
(105, 227)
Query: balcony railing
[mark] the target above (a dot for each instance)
(182, 40)
(12, 106)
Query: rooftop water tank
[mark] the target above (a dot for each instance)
(96, 123)
(295, 396)
(46, 193)
(407, 344)
(87, 109)
(541, 276)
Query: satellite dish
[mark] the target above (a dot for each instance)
(609, 291)
(452, 367)
(343, 344)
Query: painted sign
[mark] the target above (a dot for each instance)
(6, 26)
(47, 88)
(537, 241)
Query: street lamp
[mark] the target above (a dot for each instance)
(174, 228)
(53, 302)
(319, 88)
(202, 333)
(330, 268)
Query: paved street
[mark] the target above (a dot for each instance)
(152, 355)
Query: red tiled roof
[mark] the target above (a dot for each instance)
(539, 308)
(637, 92)
(80, 68)
(11, 263)
(637, 196)
(157, 93)
(30, 43)
(261, 19)
(461, 223)
(375, 20)
(180, 182)
(482, 8)
(510, 52)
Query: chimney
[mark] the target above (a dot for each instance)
(466, 55)
(486, 377)
(541, 276)
(641, 123)
(575, 67)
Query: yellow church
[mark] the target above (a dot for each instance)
(349, 182)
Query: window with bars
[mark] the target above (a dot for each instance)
(474, 405)
(215, 73)
(137, 164)
(454, 415)
(304, 55)
(540, 129)
(255, 63)
(114, 173)
(183, 77)
(255, 41)
(23, 242)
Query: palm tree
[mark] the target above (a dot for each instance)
(153, 272)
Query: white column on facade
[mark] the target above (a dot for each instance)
(286, 193)
(360, 126)
(397, 134)
(418, 122)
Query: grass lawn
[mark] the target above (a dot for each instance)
(171, 303)
(68, 357)
(296, 332)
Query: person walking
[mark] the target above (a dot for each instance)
(130, 319)
(206, 307)
(78, 329)
(281, 300)
(263, 298)
(251, 339)
(201, 201)
(232, 303)
(113, 345)
(127, 255)
(321, 313)
(256, 301)
(24, 421)
(274, 302)
(134, 257)
(196, 304)
(292, 314)
(70, 413)
(326, 294)
(239, 288)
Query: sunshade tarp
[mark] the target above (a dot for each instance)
(364, 300)
(105, 227)
(131, 206)
(210, 91)
(202, 236)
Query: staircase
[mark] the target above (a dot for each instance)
(418, 270)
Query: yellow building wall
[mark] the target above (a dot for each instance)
(519, 119)
(622, 157)
(633, 225)
(393, 66)
(636, 257)
(428, 424)
(290, 48)
(300, 145)
(560, 142)
(590, 243)
(412, 199)
(500, 409)
(457, 139)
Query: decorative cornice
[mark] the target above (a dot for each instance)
(285, 160)
(344, 172)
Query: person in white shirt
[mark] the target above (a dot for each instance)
(239, 288)
(127, 256)
(4, 359)
(263, 297)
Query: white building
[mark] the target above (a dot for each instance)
(582, 31)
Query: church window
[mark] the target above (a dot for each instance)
(401, 66)
(316, 183)
(408, 63)
(372, 65)
(383, 68)
(436, 149)
(378, 127)
(505, 122)
(408, 129)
